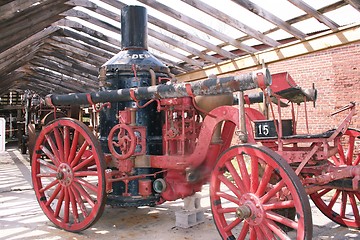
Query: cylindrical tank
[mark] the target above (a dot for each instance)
(133, 67)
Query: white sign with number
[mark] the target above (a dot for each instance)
(2, 134)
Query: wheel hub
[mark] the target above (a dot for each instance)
(250, 209)
(65, 174)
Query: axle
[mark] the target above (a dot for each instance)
(211, 86)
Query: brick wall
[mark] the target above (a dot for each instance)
(336, 74)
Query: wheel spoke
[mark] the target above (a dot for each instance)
(252, 233)
(226, 210)
(264, 181)
(85, 173)
(53, 195)
(244, 231)
(266, 231)
(354, 207)
(50, 155)
(341, 154)
(60, 144)
(281, 219)
(233, 224)
(243, 170)
(323, 192)
(54, 150)
(236, 177)
(73, 146)
(66, 143)
(50, 185)
(279, 205)
(79, 154)
(84, 194)
(350, 151)
(79, 201)
(86, 184)
(333, 199)
(84, 163)
(343, 204)
(66, 205)
(73, 205)
(47, 164)
(60, 201)
(230, 185)
(254, 174)
(227, 197)
(41, 175)
(273, 191)
(276, 229)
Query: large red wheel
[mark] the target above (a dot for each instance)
(253, 193)
(68, 174)
(342, 206)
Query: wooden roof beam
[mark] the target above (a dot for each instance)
(354, 3)
(232, 22)
(14, 8)
(198, 25)
(252, 7)
(21, 29)
(157, 35)
(319, 42)
(90, 58)
(90, 80)
(313, 12)
(179, 32)
(85, 47)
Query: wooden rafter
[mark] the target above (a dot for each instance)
(311, 11)
(271, 18)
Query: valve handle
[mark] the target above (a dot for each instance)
(126, 141)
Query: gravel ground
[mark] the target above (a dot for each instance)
(22, 218)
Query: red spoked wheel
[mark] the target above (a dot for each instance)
(254, 193)
(123, 146)
(68, 174)
(342, 206)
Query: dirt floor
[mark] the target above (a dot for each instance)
(22, 218)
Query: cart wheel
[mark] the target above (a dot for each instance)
(342, 206)
(68, 174)
(251, 190)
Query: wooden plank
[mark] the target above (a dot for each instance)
(34, 38)
(91, 19)
(85, 47)
(93, 42)
(20, 30)
(323, 10)
(90, 57)
(183, 46)
(91, 32)
(320, 42)
(252, 7)
(198, 25)
(90, 80)
(14, 8)
(179, 32)
(313, 12)
(232, 22)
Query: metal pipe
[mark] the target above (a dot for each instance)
(212, 86)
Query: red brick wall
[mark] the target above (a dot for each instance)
(336, 74)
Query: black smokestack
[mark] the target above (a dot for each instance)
(134, 28)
